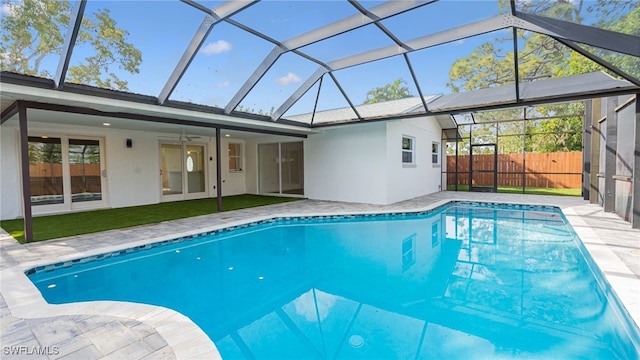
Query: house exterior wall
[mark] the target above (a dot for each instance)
(352, 163)
(133, 174)
(406, 182)
(10, 186)
(347, 163)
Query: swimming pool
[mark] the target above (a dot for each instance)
(466, 280)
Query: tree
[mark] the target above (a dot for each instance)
(249, 110)
(32, 30)
(540, 56)
(392, 91)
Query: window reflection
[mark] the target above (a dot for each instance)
(195, 162)
(45, 170)
(84, 164)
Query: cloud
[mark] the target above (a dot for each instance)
(7, 9)
(217, 47)
(288, 79)
(459, 42)
(306, 306)
(223, 84)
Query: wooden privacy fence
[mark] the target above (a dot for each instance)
(562, 170)
(46, 179)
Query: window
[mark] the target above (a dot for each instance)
(435, 153)
(435, 236)
(408, 148)
(408, 253)
(235, 157)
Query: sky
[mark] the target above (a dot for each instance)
(163, 29)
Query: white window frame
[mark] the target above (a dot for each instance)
(411, 150)
(436, 153)
(239, 156)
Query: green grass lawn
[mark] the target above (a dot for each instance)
(531, 191)
(56, 226)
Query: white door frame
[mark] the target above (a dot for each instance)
(68, 205)
(185, 195)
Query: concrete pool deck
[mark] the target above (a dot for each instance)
(33, 329)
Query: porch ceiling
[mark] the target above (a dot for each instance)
(75, 109)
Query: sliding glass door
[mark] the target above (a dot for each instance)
(292, 168)
(281, 168)
(269, 168)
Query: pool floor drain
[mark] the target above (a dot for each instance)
(356, 341)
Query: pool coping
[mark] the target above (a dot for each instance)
(188, 341)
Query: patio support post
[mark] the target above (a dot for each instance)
(26, 179)
(586, 149)
(457, 142)
(596, 115)
(471, 156)
(635, 211)
(524, 151)
(218, 170)
(610, 155)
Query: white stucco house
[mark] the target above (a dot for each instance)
(89, 152)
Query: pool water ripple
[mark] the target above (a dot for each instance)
(464, 280)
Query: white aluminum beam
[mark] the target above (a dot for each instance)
(454, 34)
(258, 73)
(604, 39)
(311, 80)
(352, 22)
(461, 32)
(215, 16)
(489, 25)
(382, 28)
(573, 46)
(344, 93)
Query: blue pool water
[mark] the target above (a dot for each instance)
(464, 281)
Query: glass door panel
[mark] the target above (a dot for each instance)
(195, 169)
(268, 167)
(45, 170)
(84, 166)
(292, 168)
(483, 168)
(171, 169)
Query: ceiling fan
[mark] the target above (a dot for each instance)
(183, 137)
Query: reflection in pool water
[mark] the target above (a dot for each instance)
(459, 282)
